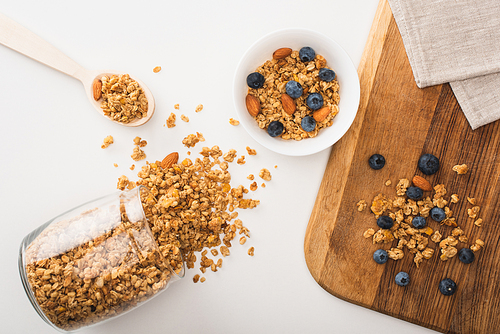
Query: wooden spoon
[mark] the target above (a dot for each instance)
(20, 39)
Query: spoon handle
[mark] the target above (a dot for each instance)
(18, 38)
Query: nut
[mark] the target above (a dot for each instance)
(97, 89)
(169, 160)
(253, 105)
(288, 104)
(320, 115)
(422, 183)
(282, 53)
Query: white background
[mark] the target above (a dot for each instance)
(52, 161)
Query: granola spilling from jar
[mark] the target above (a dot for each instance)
(123, 100)
(194, 206)
(294, 95)
(98, 264)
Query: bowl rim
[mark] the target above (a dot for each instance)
(354, 92)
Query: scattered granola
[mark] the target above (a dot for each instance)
(123, 99)
(107, 141)
(250, 177)
(140, 142)
(132, 167)
(241, 160)
(369, 233)
(185, 118)
(479, 222)
(253, 186)
(115, 164)
(251, 151)
(199, 108)
(388, 183)
(477, 246)
(251, 251)
(171, 120)
(230, 155)
(402, 210)
(224, 251)
(361, 205)
(234, 122)
(471, 200)
(265, 174)
(157, 69)
(436, 237)
(460, 169)
(137, 153)
(277, 73)
(176, 106)
(263, 185)
(473, 211)
(401, 187)
(191, 140)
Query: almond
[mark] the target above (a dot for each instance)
(97, 89)
(169, 160)
(320, 114)
(253, 105)
(282, 53)
(288, 104)
(422, 183)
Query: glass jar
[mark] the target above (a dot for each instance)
(95, 262)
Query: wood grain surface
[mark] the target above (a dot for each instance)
(401, 122)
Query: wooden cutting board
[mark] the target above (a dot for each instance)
(401, 122)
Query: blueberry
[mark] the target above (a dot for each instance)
(376, 161)
(428, 164)
(306, 54)
(314, 101)
(437, 214)
(402, 278)
(293, 89)
(255, 80)
(447, 287)
(380, 256)
(308, 123)
(275, 128)
(385, 222)
(466, 255)
(326, 74)
(414, 193)
(418, 222)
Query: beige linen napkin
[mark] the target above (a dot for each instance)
(455, 41)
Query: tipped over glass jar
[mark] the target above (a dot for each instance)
(96, 261)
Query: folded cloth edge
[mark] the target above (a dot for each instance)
(476, 96)
(397, 12)
(479, 99)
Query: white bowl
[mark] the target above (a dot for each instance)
(336, 58)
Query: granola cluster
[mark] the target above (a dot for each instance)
(277, 73)
(123, 99)
(171, 120)
(417, 241)
(192, 139)
(137, 153)
(107, 141)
